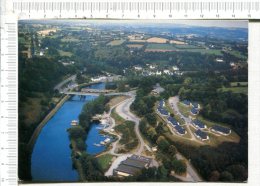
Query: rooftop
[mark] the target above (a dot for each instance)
(180, 129)
(163, 111)
(201, 134)
(198, 123)
(186, 102)
(194, 111)
(172, 120)
(221, 129)
(127, 169)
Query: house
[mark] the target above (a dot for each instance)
(221, 130)
(194, 111)
(138, 68)
(186, 102)
(195, 105)
(198, 124)
(161, 103)
(132, 165)
(173, 121)
(175, 68)
(157, 89)
(201, 135)
(162, 111)
(158, 73)
(180, 130)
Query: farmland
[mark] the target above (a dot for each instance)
(116, 42)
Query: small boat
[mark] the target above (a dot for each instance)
(98, 145)
(102, 143)
(74, 123)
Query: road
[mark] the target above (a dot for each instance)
(60, 85)
(124, 111)
(192, 174)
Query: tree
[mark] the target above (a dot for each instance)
(214, 176)
(151, 133)
(172, 150)
(76, 132)
(226, 176)
(179, 166)
(162, 143)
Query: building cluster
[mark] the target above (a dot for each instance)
(132, 166)
(195, 107)
(171, 120)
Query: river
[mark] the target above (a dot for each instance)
(51, 156)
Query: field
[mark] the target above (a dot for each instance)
(160, 48)
(64, 53)
(238, 84)
(116, 42)
(180, 48)
(177, 42)
(105, 161)
(243, 90)
(237, 54)
(135, 46)
(156, 40)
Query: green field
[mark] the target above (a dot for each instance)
(105, 161)
(153, 46)
(181, 48)
(237, 54)
(238, 84)
(116, 42)
(66, 54)
(187, 47)
(243, 90)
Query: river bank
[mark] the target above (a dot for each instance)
(37, 131)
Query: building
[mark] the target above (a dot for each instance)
(180, 130)
(201, 135)
(221, 130)
(198, 124)
(162, 111)
(132, 165)
(194, 111)
(173, 121)
(157, 89)
(186, 102)
(195, 105)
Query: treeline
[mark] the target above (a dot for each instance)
(90, 169)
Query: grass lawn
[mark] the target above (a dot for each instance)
(116, 42)
(160, 47)
(187, 47)
(105, 161)
(118, 119)
(235, 84)
(243, 90)
(185, 110)
(237, 54)
(114, 101)
(66, 54)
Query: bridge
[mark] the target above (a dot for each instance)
(98, 93)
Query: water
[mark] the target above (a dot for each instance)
(51, 157)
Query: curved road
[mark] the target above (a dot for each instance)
(124, 111)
